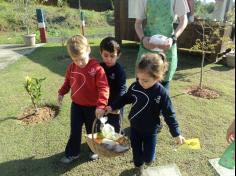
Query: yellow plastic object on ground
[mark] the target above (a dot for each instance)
(193, 144)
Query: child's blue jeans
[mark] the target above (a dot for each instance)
(143, 146)
(79, 115)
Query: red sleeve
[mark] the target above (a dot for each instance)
(103, 89)
(66, 86)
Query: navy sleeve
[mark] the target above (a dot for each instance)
(122, 82)
(169, 115)
(122, 101)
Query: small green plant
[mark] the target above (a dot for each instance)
(26, 13)
(212, 38)
(201, 45)
(33, 88)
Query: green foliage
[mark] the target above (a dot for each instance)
(24, 1)
(27, 11)
(203, 10)
(3, 24)
(57, 19)
(98, 5)
(33, 88)
(213, 37)
(205, 46)
(230, 16)
(61, 3)
(210, 7)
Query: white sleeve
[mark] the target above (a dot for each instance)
(140, 9)
(180, 7)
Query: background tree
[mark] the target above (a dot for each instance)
(203, 10)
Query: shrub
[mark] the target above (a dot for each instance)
(33, 88)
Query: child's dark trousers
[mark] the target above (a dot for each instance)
(143, 146)
(79, 115)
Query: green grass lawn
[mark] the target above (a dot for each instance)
(90, 32)
(35, 150)
(60, 22)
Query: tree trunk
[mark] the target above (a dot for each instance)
(203, 53)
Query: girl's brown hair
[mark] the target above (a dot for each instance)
(78, 45)
(155, 65)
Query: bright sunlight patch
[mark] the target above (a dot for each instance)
(169, 170)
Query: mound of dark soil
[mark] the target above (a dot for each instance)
(204, 92)
(43, 113)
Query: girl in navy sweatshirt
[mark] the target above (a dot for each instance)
(148, 98)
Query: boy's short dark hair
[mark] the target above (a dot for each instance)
(110, 44)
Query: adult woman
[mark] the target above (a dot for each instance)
(159, 15)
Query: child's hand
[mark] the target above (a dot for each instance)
(180, 140)
(108, 110)
(60, 99)
(99, 113)
(230, 136)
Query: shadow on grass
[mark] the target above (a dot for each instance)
(6, 119)
(56, 59)
(221, 67)
(178, 95)
(128, 172)
(49, 166)
(187, 77)
(187, 61)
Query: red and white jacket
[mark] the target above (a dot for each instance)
(89, 85)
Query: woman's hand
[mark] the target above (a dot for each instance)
(169, 43)
(99, 113)
(180, 140)
(60, 99)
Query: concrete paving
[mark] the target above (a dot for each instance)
(10, 53)
(168, 170)
(222, 171)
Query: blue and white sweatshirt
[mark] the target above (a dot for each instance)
(116, 77)
(147, 104)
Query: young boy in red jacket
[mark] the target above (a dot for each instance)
(89, 93)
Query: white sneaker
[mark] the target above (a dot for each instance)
(69, 159)
(139, 171)
(93, 156)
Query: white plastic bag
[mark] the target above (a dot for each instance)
(158, 40)
(108, 131)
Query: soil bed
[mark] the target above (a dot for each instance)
(204, 92)
(43, 113)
